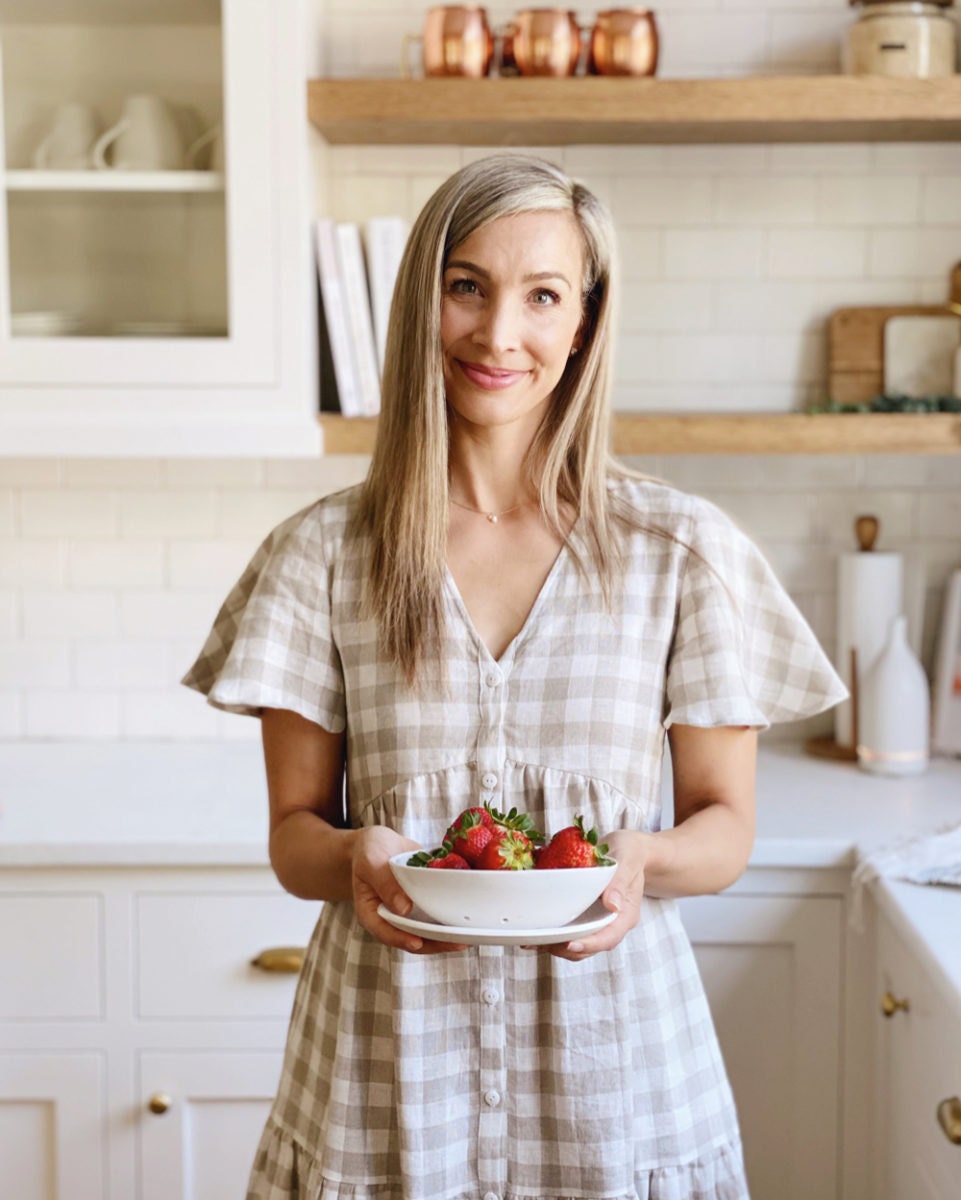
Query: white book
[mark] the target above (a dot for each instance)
(385, 238)
(357, 299)
(334, 316)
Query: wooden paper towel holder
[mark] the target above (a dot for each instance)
(866, 530)
(827, 747)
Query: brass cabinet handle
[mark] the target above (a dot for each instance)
(949, 1118)
(283, 960)
(159, 1102)
(890, 1004)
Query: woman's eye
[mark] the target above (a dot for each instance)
(462, 287)
(545, 296)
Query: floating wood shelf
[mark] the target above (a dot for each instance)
(579, 110)
(765, 433)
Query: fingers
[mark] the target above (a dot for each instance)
(628, 909)
(375, 884)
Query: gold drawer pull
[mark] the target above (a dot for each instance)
(890, 1004)
(282, 960)
(949, 1118)
(159, 1102)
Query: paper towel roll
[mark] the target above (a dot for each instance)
(870, 596)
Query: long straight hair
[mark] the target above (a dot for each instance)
(404, 501)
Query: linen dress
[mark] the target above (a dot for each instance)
(500, 1073)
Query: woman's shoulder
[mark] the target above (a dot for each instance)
(318, 529)
(658, 501)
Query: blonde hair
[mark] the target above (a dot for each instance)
(404, 501)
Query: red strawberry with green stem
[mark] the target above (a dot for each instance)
(573, 847)
(470, 833)
(508, 850)
(515, 822)
(441, 859)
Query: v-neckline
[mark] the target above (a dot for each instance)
(511, 647)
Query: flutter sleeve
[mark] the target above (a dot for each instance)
(742, 654)
(271, 644)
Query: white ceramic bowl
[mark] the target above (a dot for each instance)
(546, 899)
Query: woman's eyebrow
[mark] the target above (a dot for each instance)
(538, 276)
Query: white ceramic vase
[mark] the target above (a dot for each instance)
(894, 721)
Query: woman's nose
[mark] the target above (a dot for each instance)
(498, 329)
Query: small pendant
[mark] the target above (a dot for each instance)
(492, 517)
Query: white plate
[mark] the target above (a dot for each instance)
(596, 917)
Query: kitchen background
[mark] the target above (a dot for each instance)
(734, 257)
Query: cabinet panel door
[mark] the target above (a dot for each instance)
(194, 952)
(51, 1126)
(52, 955)
(771, 968)
(202, 1147)
(919, 1065)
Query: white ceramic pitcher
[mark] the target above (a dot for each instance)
(146, 138)
(69, 144)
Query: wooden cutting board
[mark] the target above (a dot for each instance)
(856, 344)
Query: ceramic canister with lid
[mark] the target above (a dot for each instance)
(905, 39)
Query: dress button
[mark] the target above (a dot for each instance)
(492, 1098)
(492, 679)
(490, 995)
(489, 781)
(491, 1196)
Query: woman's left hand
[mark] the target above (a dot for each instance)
(623, 895)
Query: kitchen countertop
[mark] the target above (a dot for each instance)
(197, 803)
(183, 804)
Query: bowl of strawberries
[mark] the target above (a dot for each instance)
(495, 870)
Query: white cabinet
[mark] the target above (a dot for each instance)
(52, 1114)
(127, 991)
(771, 966)
(165, 310)
(205, 1113)
(918, 1048)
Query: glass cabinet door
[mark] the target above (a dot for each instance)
(138, 229)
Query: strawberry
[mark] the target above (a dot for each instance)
(515, 822)
(449, 862)
(573, 847)
(508, 850)
(482, 814)
(443, 859)
(469, 834)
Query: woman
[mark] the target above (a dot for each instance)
(501, 613)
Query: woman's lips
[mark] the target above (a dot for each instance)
(493, 379)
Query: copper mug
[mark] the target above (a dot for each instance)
(457, 41)
(543, 41)
(623, 42)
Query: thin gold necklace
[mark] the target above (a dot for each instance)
(493, 517)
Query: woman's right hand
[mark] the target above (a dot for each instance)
(374, 883)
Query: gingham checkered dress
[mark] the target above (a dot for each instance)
(501, 1073)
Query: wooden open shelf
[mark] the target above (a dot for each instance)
(764, 433)
(579, 110)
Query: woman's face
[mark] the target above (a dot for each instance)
(510, 316)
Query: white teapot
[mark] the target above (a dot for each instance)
(146, 138)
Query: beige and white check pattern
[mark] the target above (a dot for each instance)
(505, 1074)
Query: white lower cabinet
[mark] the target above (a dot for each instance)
(772, 970)
(203, 1116)
(140, 1044)
(918, 1095)
(52, 1119)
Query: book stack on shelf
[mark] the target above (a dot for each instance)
(356, 271)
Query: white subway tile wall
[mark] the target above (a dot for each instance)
(733, 258)
(98, 621)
